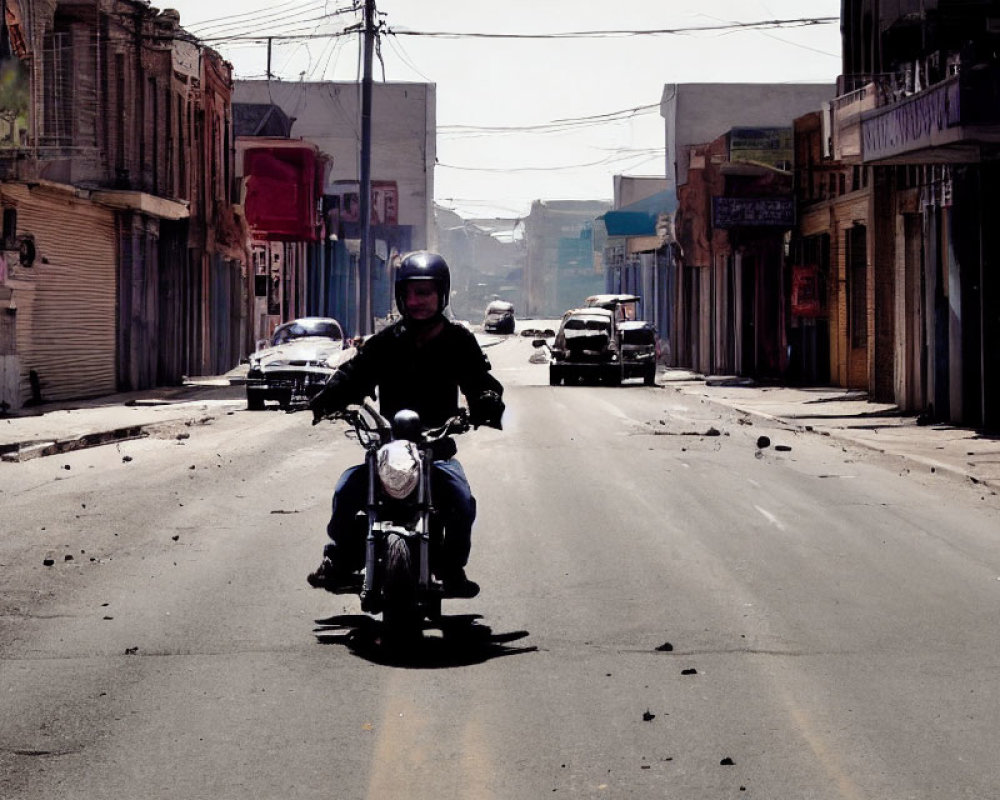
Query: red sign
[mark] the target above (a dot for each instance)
(807, 298)
(281, 200)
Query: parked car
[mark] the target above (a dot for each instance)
(499, 317)
(591, 346)
(296, 362)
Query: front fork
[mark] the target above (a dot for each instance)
(424, 505)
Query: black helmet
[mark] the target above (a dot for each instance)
(422, 265)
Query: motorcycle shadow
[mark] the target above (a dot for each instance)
(462, 642)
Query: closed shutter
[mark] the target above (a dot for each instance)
(67, 335)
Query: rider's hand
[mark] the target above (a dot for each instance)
(326, 403)
(487, 410)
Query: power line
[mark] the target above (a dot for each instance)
(556, 125)
(612, 159)
(731, 26)
(728, 27)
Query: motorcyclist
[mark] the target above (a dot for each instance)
(420, 362)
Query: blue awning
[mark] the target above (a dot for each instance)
(639, 218)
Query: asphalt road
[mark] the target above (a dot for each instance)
(668, 611)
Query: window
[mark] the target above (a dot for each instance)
(9, 228)
(57, 92)
(856, 263)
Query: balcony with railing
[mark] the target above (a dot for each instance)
(955, 120)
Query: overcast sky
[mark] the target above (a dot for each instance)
(489, 83)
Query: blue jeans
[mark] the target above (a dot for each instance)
(453, 501)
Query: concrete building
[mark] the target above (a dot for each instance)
(564, 264)
(404, 135)
(698, 113)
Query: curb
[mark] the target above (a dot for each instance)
(936, 467)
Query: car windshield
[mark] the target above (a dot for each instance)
(595, 324)
(302, 328)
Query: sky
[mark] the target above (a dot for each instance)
(552, 117)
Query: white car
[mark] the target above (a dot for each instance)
(297, 361)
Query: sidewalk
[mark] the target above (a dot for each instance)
(61, 427)
(847, 416)
(841, 414)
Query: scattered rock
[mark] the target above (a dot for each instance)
(67, 466)
(763, 441)
(131, 651)
(67, 557)
(784, 448)
(647, 716)
(176, 537)
(666, 647)
(691, 671)
(712, 432)
(48, 562)
(727, 762)
(126, 459)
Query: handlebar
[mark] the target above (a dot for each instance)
(373, 429)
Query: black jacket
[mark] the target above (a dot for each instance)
(425, 378)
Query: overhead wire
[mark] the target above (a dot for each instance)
(598, 34)
(248, 16)
(240, 26)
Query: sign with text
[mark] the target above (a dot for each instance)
(912, 124)
(753, 212)
(770, 146)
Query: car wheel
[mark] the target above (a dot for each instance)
(555, 377)
(613, 377)
(649, 378)
(285, 400)
(255, 400)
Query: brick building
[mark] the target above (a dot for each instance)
(122, 253)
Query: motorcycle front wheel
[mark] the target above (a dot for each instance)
(399, 591)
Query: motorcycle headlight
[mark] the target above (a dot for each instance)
(399, 468)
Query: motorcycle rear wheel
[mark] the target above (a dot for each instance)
(399, 591)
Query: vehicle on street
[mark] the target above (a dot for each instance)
(296, 362)
(624, 306)
(592, 346)
(403, 529)
(499, 317)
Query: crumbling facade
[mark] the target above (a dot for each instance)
(123, 257)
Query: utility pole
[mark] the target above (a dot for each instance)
(364, 264)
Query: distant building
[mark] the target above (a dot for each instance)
(487, 259)
(638, 248)
(563, 265)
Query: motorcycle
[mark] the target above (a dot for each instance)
(403, 534)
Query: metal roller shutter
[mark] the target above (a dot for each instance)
(67, 335)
